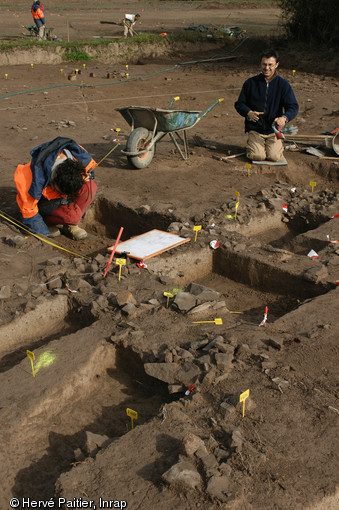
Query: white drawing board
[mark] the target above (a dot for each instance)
(149, 244)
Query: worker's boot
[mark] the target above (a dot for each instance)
(74, 232)
(54, 230)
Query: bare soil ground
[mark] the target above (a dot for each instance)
(113, 344)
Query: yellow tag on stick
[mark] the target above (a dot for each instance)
(242, 398)
(248, 166)
(31, 356)
(120, 262)
(215, 321)
(313, 184)
(168, 295)
(132, 414)
(196, 230)
(237, 194)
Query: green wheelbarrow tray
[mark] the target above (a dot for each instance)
(150, 125)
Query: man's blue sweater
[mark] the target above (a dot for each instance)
(275, 98)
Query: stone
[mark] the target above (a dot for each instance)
(209, 377)
(221, 453)
(102, 302)
(202, 452)
(277, 342)
(209, 461)
(192, 443)
(197, 344)
(55, 283)
(79, 455)
(228, 410)
(124, 297)
(225, 348)
(168, 357)
(208, 295)
(15, 241)
(196, 289)
(175, 388)
(224, 361)
(174, 227)
(217, 487)
(184, 301)
(209, 346)
(95, 442)
(183, 475)
(5, 292)
(236, 441)
(316, 274)
(184, 354)
(268, 365)
(201, 308)
(166, 372)
(130, 309)
(188, 374)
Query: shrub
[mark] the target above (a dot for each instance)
(312, 21)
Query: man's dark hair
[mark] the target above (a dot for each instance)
(69, 177)
(270, 53)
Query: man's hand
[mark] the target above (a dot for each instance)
(280, 121)
(253, 116)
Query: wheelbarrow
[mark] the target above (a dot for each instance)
(150, 125)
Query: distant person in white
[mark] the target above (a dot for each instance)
(128, 23)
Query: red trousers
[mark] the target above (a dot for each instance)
(71, 214)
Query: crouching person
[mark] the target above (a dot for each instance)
(55, 188)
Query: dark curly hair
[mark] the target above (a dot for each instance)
(69, 177)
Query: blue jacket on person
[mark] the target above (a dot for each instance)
(275, 98)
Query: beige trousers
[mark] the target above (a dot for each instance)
(260, 147)
(42, 33)
(128, 30)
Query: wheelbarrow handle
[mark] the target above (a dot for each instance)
(211, 107)
(172, 101)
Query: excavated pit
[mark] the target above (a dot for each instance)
(110, 377)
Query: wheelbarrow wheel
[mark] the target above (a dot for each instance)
(137, 141)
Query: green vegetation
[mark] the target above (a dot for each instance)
(315, 23)
(75, 54)
(77, 51)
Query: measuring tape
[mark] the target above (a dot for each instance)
(42, 239)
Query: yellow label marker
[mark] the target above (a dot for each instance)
(293, 72)
(84, 65)
(248, 166)
(313, 185)
(118, 130)
(127, 75)
(61, 70)
(196, 230)
(126, 67)
(132, 414)
(6, 76)
(32, 65)
(168, 295)
(215, 321)
(237, 204)
(242, 398)
(31, 356)
(76, 71)
(120, 262)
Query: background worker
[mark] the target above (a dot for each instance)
(55, 188)
(38, 13)
(265, 100)
(128, 23)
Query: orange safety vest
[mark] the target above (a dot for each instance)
(23, 179)
(38, 14)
